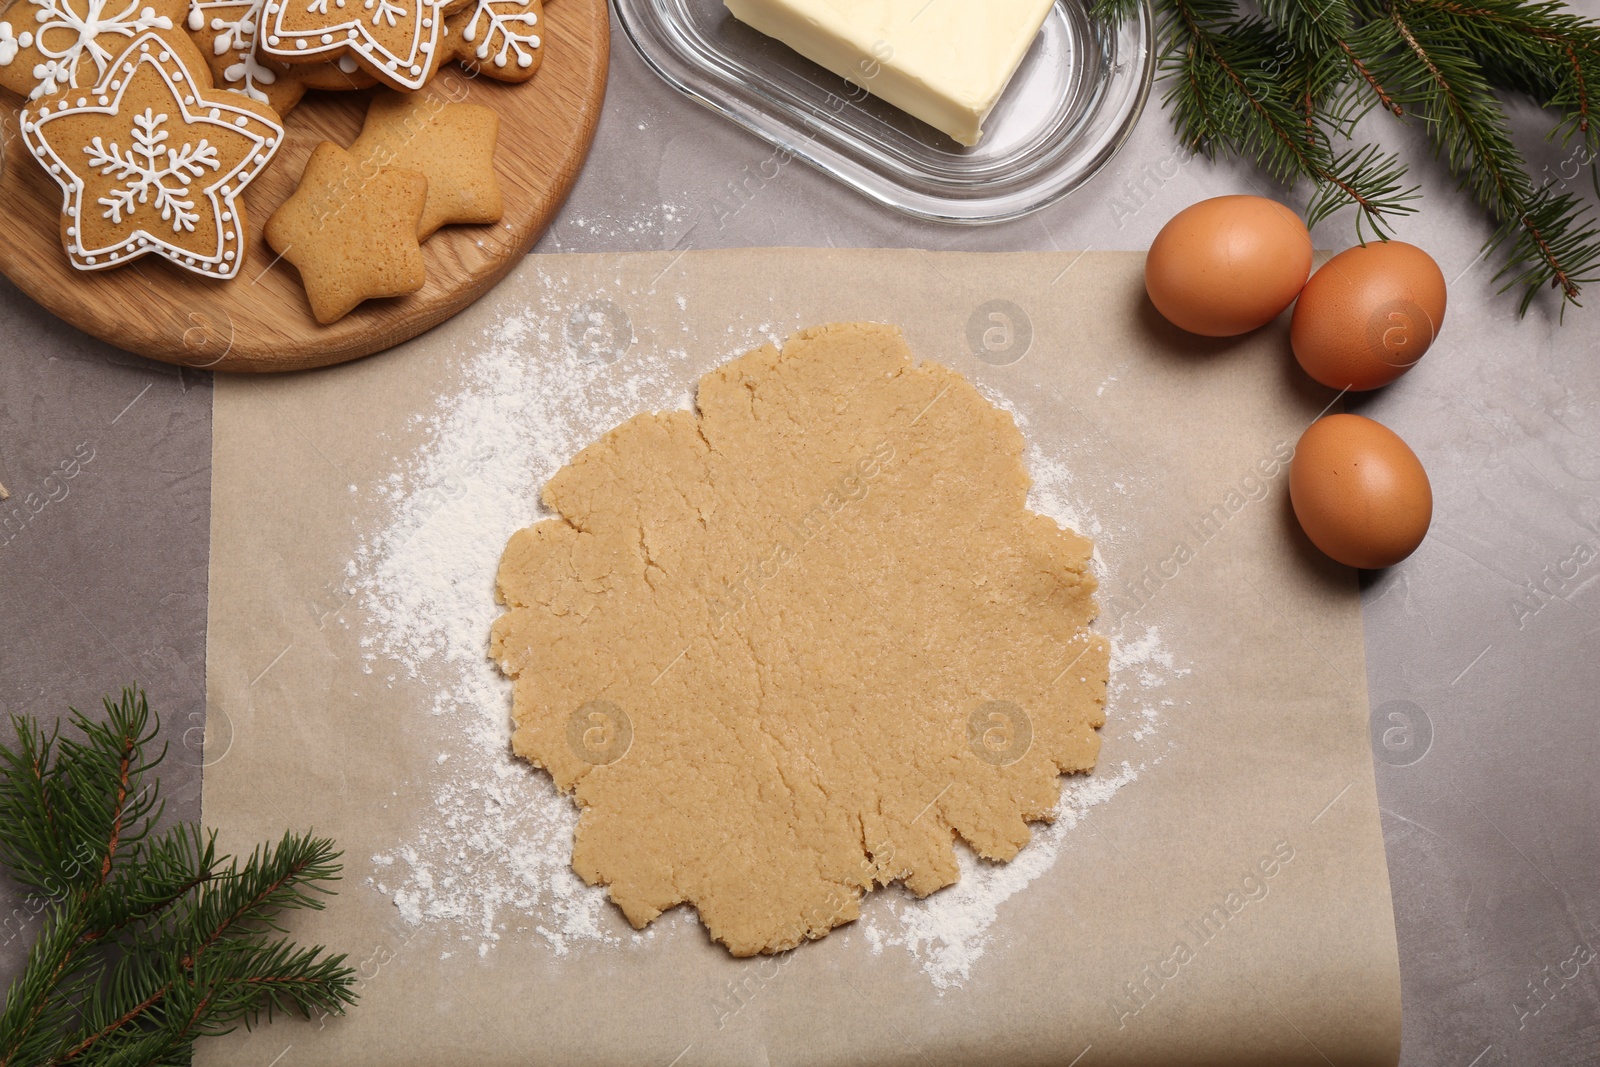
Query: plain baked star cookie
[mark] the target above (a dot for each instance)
(500, 39)
(153, 160)
(351, 232)
(452, 145)
(788, 646)
(47, 46)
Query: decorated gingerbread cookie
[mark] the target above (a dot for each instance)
(226, 32)
(501, 39)
(50, 46)
(452, 145)
(153, 159)
(351, 231)
(397, 41)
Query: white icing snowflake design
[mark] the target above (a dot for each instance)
(10, 42)
(60, 67)
(515, 28)
(396, 41)
(147, 169)
(235, 25)
(190, 155)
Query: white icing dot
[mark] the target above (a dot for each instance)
(127, 68)
(271, 141)
(115, 84)
(272, 40)
(105, 100)
(216, 113)
(427, 23)
(228, 236)
(300, 43)
(72, 231)
(228, 255)
(72, 211)
(226, 216)
(261, 158)
(114, 255)
(188, 98)
(415, 69)
(55, 168)
(425, 47)
(351, 33)
(144, 48)
(83, 102)
(242, 120)
(327, 38)
(88, 259)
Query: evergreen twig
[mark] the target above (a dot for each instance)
(1284, 88)
(149, 939)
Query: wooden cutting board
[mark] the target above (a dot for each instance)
(260, 320)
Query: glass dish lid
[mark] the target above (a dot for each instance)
(1071, 105)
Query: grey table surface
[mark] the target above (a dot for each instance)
(1481, 648)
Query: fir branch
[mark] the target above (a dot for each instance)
(1443, 83)
(1534, 48)
(1384, 98)
(40, 1005)
(1283, 88)
(150, 940)
(30, 838)
(1229, 97)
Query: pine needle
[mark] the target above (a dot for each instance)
(149, 939)
(1285, 89)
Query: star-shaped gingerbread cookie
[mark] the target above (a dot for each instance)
(452, 145)
(351, 231)
(152, 159)
(397, 41)
(500, 39)
(226, 32)
(48, 46)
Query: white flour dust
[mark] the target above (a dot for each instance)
(490, 857)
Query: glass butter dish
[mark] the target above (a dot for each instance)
(1071, 105)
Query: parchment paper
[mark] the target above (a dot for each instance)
(1261, 753)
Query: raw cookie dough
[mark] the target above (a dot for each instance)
(783, 650)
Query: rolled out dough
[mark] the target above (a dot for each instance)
(783, 650)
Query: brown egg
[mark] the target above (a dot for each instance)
(1359, 492)
(1228, 265)
(1368, 315)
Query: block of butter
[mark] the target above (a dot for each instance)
(944, 61)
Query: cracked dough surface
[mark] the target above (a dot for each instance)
(783, 650)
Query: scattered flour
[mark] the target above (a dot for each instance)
(491, 859)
